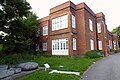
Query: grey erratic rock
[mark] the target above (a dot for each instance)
(16, 70)
(3, 67)
(28, 66)
(6, 73)
(12, 66)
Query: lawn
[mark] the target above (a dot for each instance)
(79, 64)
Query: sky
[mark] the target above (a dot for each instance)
(109, 7)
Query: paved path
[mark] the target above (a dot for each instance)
(106, 69)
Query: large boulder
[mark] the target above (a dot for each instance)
(6, 73)
(28, 66)
(3, 67)
(16, 70)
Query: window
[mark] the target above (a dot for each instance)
(53, 24)
(45, 30)
(73, 21)
(114, 43)
(64, 45)
(60, 23)
(60, 44)
(55, 44)
(100, 45)
(98, 28)
(91, 44)
(74, 44)
(60, 47)
(110, 45)
(90, 25)
(44, 46)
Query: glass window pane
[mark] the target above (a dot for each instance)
(44, 46)
(74, 44)
(60, 22)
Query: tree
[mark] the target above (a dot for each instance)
(117, 31)
(18, 23)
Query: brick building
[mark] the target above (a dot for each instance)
(75, 29)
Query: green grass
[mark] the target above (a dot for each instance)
(79, 64)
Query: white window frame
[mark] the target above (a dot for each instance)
(91, 44)
(74, 43)
(60, 46)
(100, 45)
(115, 46)
(91, 25)
(45, 30)
(44, 46)
(60, 23)
(73, 21)
(98, 27)
(110, 46)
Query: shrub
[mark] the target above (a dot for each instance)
(94, 54)
(1, 47)
(115, 51)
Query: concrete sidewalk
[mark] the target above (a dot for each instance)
(106, 69)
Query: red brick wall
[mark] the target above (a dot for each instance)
(115, 37)
(88, 33)
(80, 26)
(82, 32)
(102, 36)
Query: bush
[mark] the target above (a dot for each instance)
(115, 51)
(1, 47)
(94, 54)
